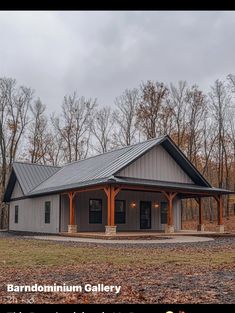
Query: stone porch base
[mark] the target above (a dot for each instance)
(72, 229)
(110, 230)
(220, 228)
(169, 229)
(200, 227)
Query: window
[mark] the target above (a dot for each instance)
(47, 212)
(163, 212)
(120, 212)
(95, 211)
(16, 214)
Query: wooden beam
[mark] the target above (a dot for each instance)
(116, 191)
(220, 210)
(112, 206)
(200, 211)
(108, 194)
(174, 194)
(219, 201)
(111, 192)
(106, 190)
(166, 195)
(71, 208)
(170, 197)
(84, 190)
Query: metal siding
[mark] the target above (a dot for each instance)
(17, 191)
(132, 214)
(81, 211)
(32, 215)
(156, 164)
(64, 213)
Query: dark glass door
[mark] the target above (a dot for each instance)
(145, 214)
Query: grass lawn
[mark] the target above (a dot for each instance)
(163, 273)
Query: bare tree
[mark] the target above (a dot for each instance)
(196, 105)
(74, 126)
(220, 101)
(38, 133)
(125, 118)
(14, 104)
(101, 128)
(152, 99)
(178, 96)
(231, 79)
(54, 147)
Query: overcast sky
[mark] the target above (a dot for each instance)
(99, 54)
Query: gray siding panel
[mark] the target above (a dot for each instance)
(157, 164)
(32, 215)
(82, 211)
(64, 213)
(132, 214)
(17, 191)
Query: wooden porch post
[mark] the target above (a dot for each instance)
(112, 206)
(169, 228)
(220, 211)
(71, 209)
(72, 228)
(220, 226)
(111, 192)
(200, 226)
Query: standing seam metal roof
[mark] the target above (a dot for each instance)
(31, 175)
(37, 179)
(95, 168)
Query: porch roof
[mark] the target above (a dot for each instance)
(180, 187)
(138, 184)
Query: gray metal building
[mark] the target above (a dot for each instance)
(138, 187)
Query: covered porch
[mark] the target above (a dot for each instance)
(148, 208)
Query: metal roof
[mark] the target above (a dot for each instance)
(37, 179)
(106, 165)
(31, 175)
(170, 185)
(95, 168)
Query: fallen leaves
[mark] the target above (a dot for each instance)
(146, 274)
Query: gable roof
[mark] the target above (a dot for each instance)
(101, 168)
(39, 179)
(29, 175)
(97, 168)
